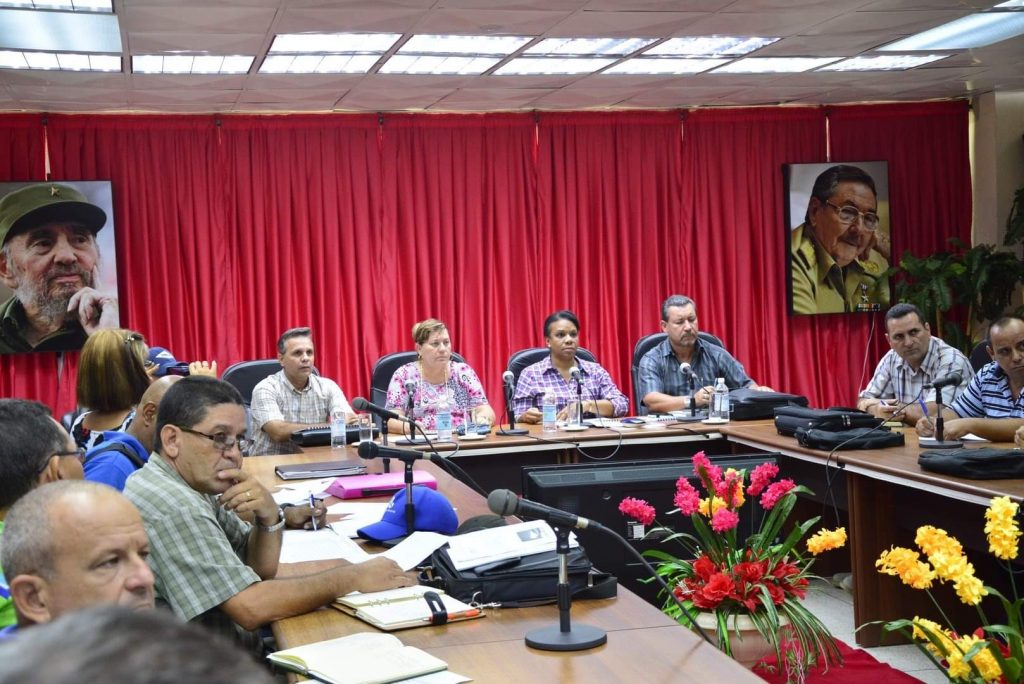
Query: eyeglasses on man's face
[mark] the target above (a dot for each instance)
(221, 440)
(849, 215)
(78, 453)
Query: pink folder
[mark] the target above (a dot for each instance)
(377, 484)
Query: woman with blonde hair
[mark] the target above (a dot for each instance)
(112, 376)
(434, 375)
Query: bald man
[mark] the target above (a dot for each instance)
(120, 454)
(69, 545)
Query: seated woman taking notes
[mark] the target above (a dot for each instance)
(434, 375)
(600, 395)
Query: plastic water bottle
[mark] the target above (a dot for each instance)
(444, 419)
(339, 434)
(720, 401)
(549, 411)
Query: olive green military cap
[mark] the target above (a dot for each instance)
(36, 205)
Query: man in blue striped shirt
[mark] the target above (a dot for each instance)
(915, 360)
(992, 406)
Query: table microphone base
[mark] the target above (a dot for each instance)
(518, 432)
(578, 638)
(935, 444)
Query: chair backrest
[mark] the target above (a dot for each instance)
(527, 357)
(245, 375)
(646, 344)
(980, 356)
(385, 367)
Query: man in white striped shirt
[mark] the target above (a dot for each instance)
(915, 360)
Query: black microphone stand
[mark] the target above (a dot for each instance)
(511, 430)
(579, 397)
(940, 442)
(565, 637)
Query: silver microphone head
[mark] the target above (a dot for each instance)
(684, 368)
(410, 386)
(574, 372)
(507, 377)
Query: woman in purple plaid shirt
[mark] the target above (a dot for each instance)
(600, 395)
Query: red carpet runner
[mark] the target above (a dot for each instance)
(858, 666)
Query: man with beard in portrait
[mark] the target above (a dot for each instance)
(50, 259)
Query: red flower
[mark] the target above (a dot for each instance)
(775, 492)
(761, 477)
(714, 592)
(687, 499)
(776, 592)
(724, 520)
(704, 568)
(750, 572)
(638, 509)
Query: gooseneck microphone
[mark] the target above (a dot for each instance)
(508, 379)
(953, 378)
(360, 404)
(370, 450)
(505, 502)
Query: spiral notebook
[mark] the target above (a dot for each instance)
(406, 607)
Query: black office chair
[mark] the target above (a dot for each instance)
(245, 375)
(527, 357)
(385, 367)
(646, 344)
(980, 356)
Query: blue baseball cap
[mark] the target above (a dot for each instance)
(433, 514)
(165, 362)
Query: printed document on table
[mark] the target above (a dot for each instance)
(356, 514)
(325, 544)
(499, 543)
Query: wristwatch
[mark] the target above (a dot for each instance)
(276, 526)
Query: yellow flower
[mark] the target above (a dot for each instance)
(970, 589)
(826, 540)
(925, 628)
(1001, 528)
(986, 663)
(717, 503)
(907, 565)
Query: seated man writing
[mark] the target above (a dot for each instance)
(210, 565)
(915, 360)
(991, 407)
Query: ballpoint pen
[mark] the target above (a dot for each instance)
(312, 507)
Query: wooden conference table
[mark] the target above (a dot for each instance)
(887, 497)
(643, 644)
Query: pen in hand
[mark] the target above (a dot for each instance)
(312, 510)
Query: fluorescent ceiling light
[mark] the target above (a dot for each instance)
(191, 64)
(882, 63)
(497, 46)
(774, 65)
(1010, 4)
(438, 64)
(26, 29)
(710, 46)
(666, 66)
(318, 64)
(619, 47)
(58, 61)
(972, 31)
(65, 5)
(543, 66)
(334, 43)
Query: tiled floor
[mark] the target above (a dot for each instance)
(834, 607)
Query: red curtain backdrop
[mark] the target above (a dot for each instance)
(231, 229)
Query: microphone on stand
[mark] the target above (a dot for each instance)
(508, 379)
(574, 374)
(692, 381)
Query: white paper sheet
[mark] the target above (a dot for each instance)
(298, 491)
(306, 545)
(358, 514)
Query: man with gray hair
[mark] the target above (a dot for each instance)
(294, 398)
(34, 450)
(49, 257)
(661, 386)
(69, 545)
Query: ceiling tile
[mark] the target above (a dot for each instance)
(140, 42)
(639, 24)
(207, 18)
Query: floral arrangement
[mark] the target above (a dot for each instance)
(760, 577)
(993, 653)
